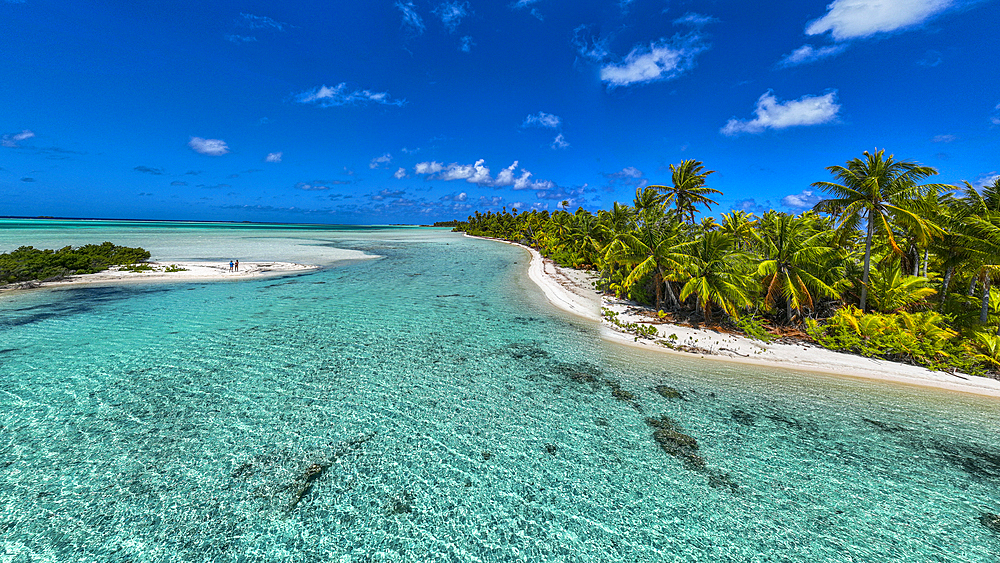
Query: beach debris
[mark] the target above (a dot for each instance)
(400, 504)
(551, 449)
(991, 521)
(668, 392)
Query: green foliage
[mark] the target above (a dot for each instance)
(919, 338)
(174, 268)
(137, 268)
(28, 263)
(753, 327)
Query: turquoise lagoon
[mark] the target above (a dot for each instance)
(430, 405)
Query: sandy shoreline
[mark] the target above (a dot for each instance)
(192, 271)
(572, 291)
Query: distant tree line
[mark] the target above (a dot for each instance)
(28, 263)
(886, 266)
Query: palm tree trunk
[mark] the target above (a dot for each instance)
(916, 261)
(947, 281)
(924, 269)
(868, 259)
(658, 281)
(670, 292)
(972, 286)
(788, 310)
(985, 310)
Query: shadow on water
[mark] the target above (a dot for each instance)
(72, 302)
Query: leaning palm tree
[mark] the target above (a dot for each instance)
(688, 189)
(877, 190)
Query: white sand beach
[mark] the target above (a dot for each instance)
(174, 272)
(572, 290)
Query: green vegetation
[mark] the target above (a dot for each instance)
(887, 266)
(28, 263)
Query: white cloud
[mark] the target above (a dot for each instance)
(986, 179)
(696, 20)
(808, 53)
(851, 19)
(261, 22)
(10, 140)
(211, 147)
(326, 96)
(467, 44)
(542, 119)
(526, 183)
(771, 114)
(944, 139)
(559, 142)
(506, 176)
(995, 118)
(400, 174)
(241, 38)
(452, 13)
(478, 173)
(661, 60)
(380, 161)
(589, 46)
(273, 157)
(428, 167)
(411, 18)
(805, 199)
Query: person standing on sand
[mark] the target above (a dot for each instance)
(237, 265)
(230, 265)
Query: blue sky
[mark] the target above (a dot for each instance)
(408, 111)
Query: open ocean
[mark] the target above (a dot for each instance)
(430, 405)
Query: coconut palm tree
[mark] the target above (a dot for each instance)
(688, 189)
(795, 260)
(717, 275)
(878, 191)
(650, 249)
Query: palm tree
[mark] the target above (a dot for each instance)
(794, 256)
(718, 275)
(874, 190)
(688, 189)
(652, 248)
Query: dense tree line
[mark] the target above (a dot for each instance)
(28, 263)
(886, 266)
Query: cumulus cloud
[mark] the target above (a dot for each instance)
(660, 60)
(542, 119)
(772, 114)
(559, 142)
(273, 157)
(851, 19)
(428, 167)
(400, 174)
(805, 199)
(148, 170)
(211, 147)
(380, 161)
(478, 173)
(452, 14)
(339, 95)
(807, 54)
(411, 18)
(526, 183)
(10, 140)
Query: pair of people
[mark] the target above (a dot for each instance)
(234, 266)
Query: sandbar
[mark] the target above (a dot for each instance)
(190, 272)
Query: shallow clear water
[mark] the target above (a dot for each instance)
(431, 406)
